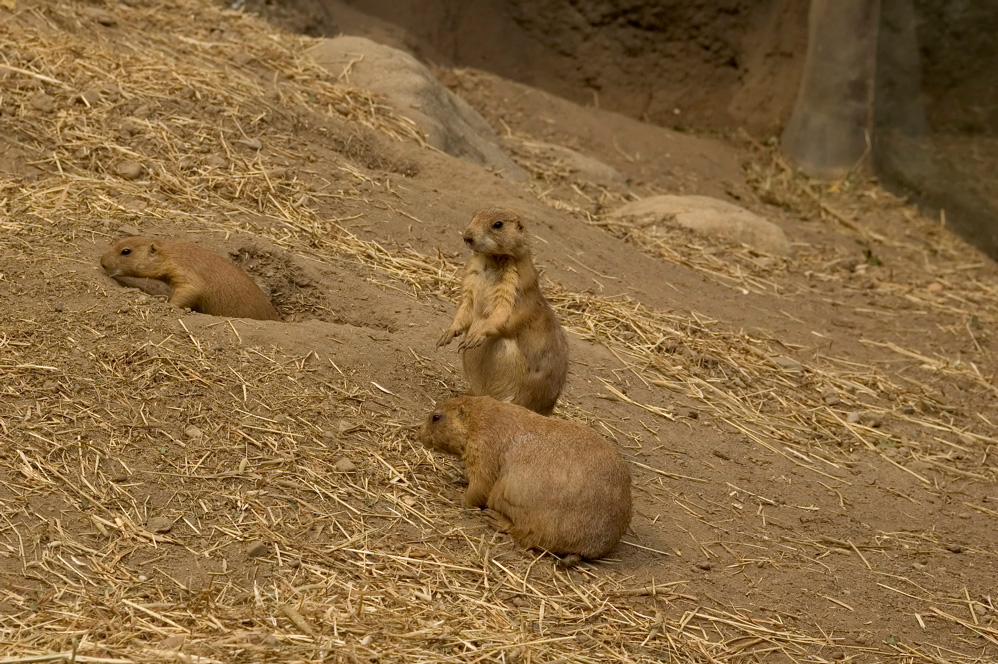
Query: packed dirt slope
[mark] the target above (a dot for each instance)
(812, 439)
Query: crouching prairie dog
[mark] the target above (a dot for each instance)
(513, 348)
(552, 484)
(199, 279)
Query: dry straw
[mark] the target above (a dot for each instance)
(276, 549)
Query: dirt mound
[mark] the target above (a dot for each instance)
(811, 438)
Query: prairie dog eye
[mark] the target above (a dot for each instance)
(436, 417)
(498, 224)
(125, 252)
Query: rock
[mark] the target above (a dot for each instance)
(590, 169)
(706, 565)
(42, 102)
(853, 417)
(956, 548)
(159, 524)
(130, 170)
(193, 432)
(450, 124)
(252, 143)
(257, 549)
(344, 466)
(709, 217)
(126, 229)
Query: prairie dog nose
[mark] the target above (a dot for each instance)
(467, 238)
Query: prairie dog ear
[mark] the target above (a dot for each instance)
(462, 413)
(152, 248)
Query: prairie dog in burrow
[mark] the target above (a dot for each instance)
(200, 279)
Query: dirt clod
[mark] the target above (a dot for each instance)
(159, 524)
(90, 96)
(130, 170)
(101, 16)
(216, 161)
(830, 396)
(174, 642)
(788, 364)
(42, 102)
(345, 466)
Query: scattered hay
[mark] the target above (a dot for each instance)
(234, 473)
(760, 386)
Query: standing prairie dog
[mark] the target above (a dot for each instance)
(552, 484)
(513, 349)
(200, 279)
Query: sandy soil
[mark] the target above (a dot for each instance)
(812, 439)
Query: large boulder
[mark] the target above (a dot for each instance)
(450, 124)
(710, 217)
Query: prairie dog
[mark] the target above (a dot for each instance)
(200, 279)
(553, 484)
(514, 349)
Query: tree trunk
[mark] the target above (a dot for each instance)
(829, 131)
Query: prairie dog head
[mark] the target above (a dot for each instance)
(132, 257)
(496, 232)
(446, 428)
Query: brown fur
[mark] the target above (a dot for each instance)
(513, 349)
(555, 485)
(200, 279)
